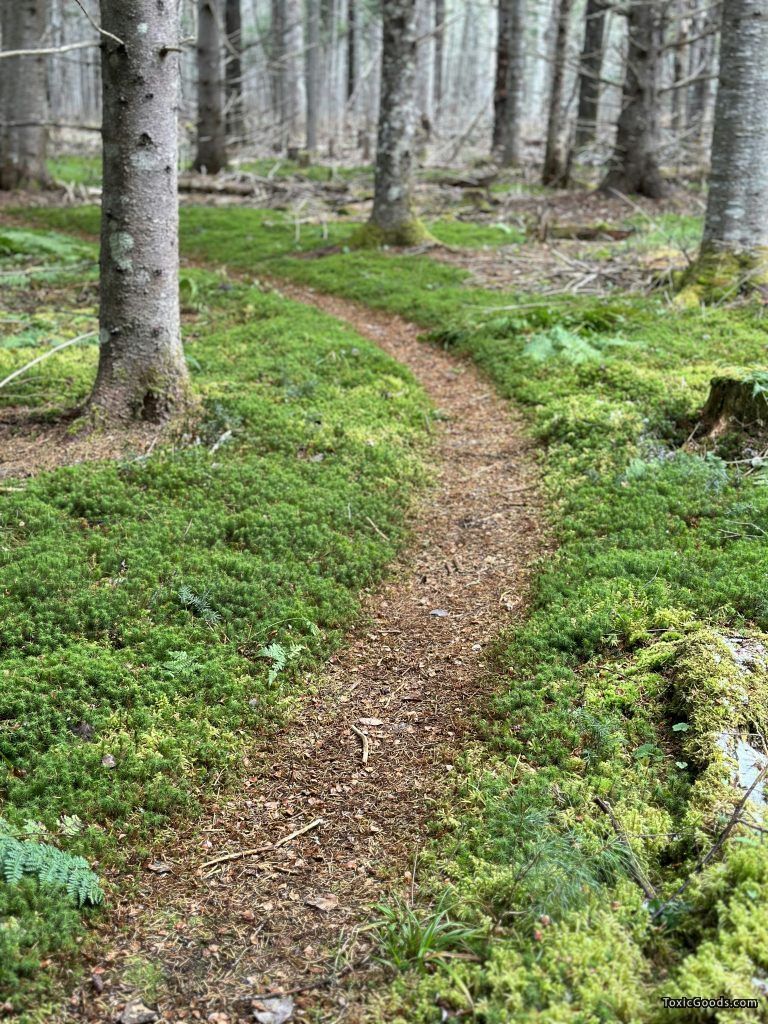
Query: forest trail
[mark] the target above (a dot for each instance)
(408, 680)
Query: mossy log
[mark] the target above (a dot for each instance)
(734, 404)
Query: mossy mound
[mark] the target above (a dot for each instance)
(404, 236)
(720, 275)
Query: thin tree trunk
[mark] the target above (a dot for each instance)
(510, 82)
(233, 69)
(277, 67)
(393, 221)
(635, 161)
(590, 67)
(23, 98)
(351, 51)
(437, 81)
(142, 373)
(501, 81)
(293, 69)
(313, 73)
(558, 152)
(211, 138)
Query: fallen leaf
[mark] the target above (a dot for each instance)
(108, 761)
(324, 902)
(137, 1013)
(275, 1010)
(439, 613)
(370, 721)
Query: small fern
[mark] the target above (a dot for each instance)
(51, 866)
(560, 343)
(199, 604)
(280, 656)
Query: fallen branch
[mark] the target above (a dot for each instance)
(48, 51)
(733, 821)
(364, 740)
(224, 858)
(45, 355)
(637, 868)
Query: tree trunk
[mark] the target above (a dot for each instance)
(590, 68)
(437, 81)
(233, 69)
(211, 139)
(558, 153)
(635, 161)
(292, 57)
(393, 221)
(351, 44)
(509, 82)
(734, 248)
(23, 96)
(313, 73)
(142, 373)
(500, 119)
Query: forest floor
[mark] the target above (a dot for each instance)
(504, 700)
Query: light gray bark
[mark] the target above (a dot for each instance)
(233, 68)
(293, 69)
(589, 73)
(142, 373)
(313, 73)
(397, 117)
(23, 100)
(737, 207)
(635, 160)
(211, 153)
(557, 155)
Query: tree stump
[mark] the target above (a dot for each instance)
(735, 404)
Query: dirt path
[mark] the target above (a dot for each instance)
(409, 680)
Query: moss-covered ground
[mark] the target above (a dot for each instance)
(160, 612)
(624, 674)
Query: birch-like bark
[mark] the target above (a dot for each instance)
(23, 96)
(233, 69)
(142, 373)
(590, 67)
(313, 73)
(293, 69)
(635, 161)
(557, 155)
(211, 153)
(737, 207)
(392, 219)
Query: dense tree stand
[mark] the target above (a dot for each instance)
(734, 248)
(393, 221)
(142, 373)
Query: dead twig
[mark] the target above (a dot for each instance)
(718, 844)
(637, 868)
(45, 355)
(364, 741)
(225, 857)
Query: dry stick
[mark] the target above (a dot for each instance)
(99, 29)
(364, 740)
(375, 527)
(46, 51)
(717, 845)
(637, 868)
(45, 355)
(268, 846)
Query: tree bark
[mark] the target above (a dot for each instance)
(589, 74)
(211, 153)
(437, 82)
(558, 152)
(313, 73)
(734, 248)
(509, 83)
(23, 96)
(393, 221)
(635, 162)
(292, 57)
(142, 373)
(233, 69)
(351, 48)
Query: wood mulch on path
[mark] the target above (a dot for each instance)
(283, 920)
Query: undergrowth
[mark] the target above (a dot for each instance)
(625, 676)
(159, 613)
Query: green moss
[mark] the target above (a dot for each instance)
(720, 275)
(373, 236)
